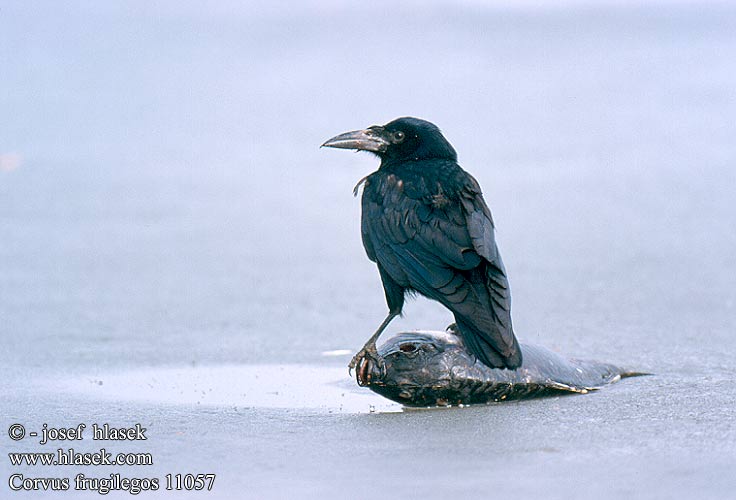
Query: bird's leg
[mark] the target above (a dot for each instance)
(369, 352)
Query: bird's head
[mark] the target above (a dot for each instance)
(402, 139)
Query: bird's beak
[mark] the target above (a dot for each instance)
(370, 139)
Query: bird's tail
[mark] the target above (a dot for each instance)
(477, 343)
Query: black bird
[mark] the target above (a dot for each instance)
(426, 225)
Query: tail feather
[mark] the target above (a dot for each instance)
(476, 341)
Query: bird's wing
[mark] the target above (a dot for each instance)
(417, 244)
(482, 234)
(479, 220)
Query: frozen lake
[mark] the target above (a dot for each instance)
(171, 233)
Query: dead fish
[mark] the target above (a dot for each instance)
(431, 368)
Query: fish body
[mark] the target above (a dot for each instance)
(430, 368)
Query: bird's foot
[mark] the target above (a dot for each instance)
(367, 364)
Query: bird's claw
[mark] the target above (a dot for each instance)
(361, 362)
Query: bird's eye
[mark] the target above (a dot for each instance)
(408, 347)
(398, 136)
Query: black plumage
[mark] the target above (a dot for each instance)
(426, 225)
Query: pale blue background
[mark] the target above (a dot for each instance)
(169, 205)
